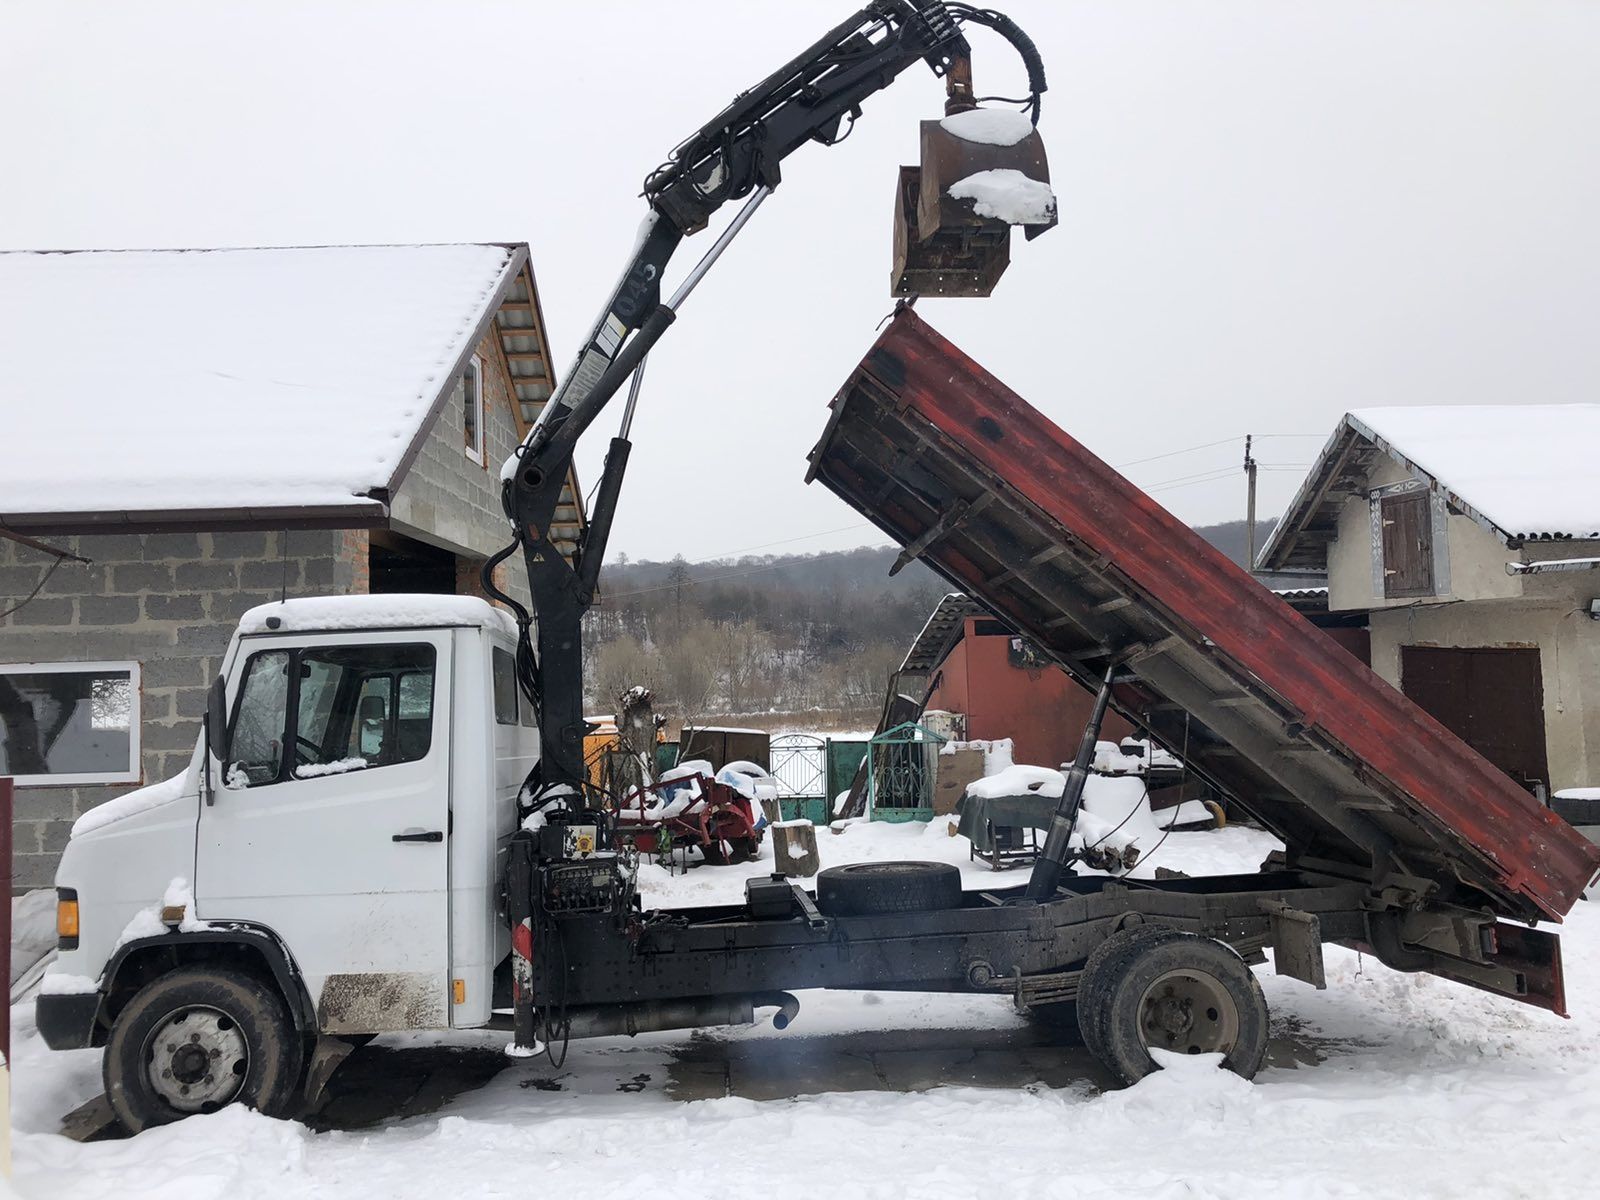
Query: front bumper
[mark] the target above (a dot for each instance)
(67, 1021)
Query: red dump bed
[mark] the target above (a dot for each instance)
(1355, 778)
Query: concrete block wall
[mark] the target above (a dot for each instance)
(168, 601)
(449, 501)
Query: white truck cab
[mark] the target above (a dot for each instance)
(329, 868)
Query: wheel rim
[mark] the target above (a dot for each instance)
(1188, 1012)
(197, 1059)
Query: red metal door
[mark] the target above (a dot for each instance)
(1492, 698)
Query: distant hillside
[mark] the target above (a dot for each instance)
(771, 633)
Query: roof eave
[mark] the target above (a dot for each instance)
(359, 514)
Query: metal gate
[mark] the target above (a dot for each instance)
(799, 764)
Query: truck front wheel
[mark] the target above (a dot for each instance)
(196, 1040)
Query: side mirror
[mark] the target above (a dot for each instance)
(216, 731)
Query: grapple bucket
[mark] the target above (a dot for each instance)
(953, 214)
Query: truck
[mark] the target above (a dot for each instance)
(387, 823)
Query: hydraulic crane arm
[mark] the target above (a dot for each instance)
(735, 155)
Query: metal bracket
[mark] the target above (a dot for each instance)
(808, 908)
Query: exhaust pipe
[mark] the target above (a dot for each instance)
(788, 1007)
(696, 1012)
(653, 1016)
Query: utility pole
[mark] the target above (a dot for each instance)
(1249, 506)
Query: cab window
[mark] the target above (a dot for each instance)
(326, 710)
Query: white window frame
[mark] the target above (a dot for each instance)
(475, 370)
(135, 772)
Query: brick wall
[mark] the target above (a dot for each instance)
(169, 602)
(450, 501)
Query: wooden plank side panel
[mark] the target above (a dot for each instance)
(1180, 581)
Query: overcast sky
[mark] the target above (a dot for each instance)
(1271, 212)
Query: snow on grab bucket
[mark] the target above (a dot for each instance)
(1007, 195)
(990, 126)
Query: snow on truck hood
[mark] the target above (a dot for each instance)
(375, 612)
(130, 805)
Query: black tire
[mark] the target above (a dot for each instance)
(1575, 811)
(714, 854)
(866, 889)
(1194, 994)
(240, 1019)
(1101, 970)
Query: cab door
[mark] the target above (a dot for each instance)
(331, 820)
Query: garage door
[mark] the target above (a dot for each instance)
(1492, 699)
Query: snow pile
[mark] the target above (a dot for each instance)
(1583, 793)
(375, 612)
(142, 800)
(1007, 195)
(228, 379)
(1115, 815)
(990, 126)
(1132, 756)
(1019, 781)
(33, 939)
(996, 753)
(1529, 468)
(33, 929)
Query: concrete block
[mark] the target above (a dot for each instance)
(164, 607)
(206, 576)
(189, 703)
(75, 579)
(53, 836)
(105, 548)
(42, 804)
(108, 610)
(178, 735)
(158, 546)
(183, 672)
(318, 573)
(29, 871)
(41, 610)
(248, 544)
(141, 577)
(205, 639)
(270, 573)
(20, 580)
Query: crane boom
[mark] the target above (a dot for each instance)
(734, 156)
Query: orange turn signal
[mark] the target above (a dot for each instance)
(66, 919)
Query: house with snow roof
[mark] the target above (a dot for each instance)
(1470, 535)
(189, 433)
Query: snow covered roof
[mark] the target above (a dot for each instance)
(1523, 471)
(238, 384)
(940, 632)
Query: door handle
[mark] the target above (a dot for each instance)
(432, 835)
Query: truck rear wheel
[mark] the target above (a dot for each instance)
(1180, 993)
(865, 889)
(196, 1040)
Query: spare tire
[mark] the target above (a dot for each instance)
(863, 889)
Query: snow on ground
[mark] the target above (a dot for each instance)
(1425, 1089)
